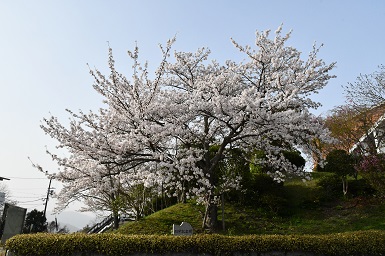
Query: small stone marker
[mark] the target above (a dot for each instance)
(183, 229)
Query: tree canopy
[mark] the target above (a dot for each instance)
(177, 126)
(35, 222)
(341, 163)
(348, 124)
(368, 90)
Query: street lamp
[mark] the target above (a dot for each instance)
(2, 178)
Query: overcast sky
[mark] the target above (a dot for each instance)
(45, 47)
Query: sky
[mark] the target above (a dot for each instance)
(47, 48)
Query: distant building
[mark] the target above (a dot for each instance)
(373, 141)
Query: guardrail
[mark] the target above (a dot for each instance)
(98, 227)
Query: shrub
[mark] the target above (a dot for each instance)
(352, 243)
(295, 158)
(361, 187)
(372, 168)
(261, 190)
(276, 204)
(330, 185)
(341, 163)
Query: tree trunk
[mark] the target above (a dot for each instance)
(116, 220)
(345, 185)
(223, 212)
(211, 218)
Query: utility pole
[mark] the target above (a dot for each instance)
(49, 192)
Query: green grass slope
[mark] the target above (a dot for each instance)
(161, 222)
(303, 212)
(344, 217)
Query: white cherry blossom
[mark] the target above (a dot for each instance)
(161, 128)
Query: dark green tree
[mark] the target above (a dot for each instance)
(341, 163)
(35, 222)
(258, 166)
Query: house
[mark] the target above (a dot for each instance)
(373, 141)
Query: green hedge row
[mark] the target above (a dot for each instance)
(352, 243)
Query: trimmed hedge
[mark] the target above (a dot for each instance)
(352, 243)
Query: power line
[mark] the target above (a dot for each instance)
(27, 178)
(42, 196)
(31, 205)
(40, 199)
(24, 193)
(25, 189)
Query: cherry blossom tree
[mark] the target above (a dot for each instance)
(8, 195)
(368, 90)
(177, 126)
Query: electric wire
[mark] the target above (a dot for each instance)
(31, 201)
(27, 178)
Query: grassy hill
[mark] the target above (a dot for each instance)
(304, 210)
(161, 222)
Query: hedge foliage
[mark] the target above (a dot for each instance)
(352, 243)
